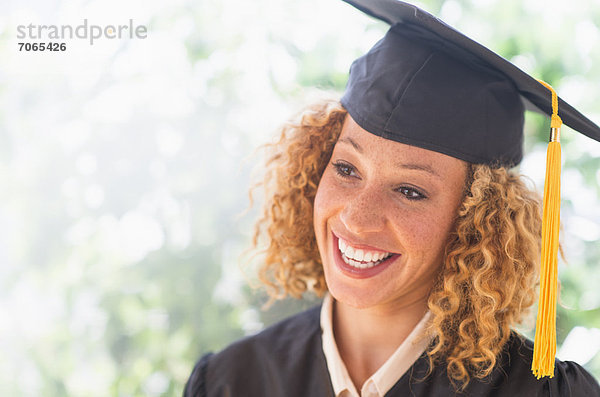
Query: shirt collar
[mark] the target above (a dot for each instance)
(388, 374)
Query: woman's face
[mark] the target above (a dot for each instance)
(383, 213)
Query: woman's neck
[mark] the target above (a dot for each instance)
(366, 338)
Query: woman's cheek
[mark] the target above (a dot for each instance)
(323, 208)
(328, 194)
(424, 228)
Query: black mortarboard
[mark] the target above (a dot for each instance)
(426, 84)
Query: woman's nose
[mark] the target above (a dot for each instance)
(363, 212)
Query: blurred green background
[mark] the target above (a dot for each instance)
(124, 166)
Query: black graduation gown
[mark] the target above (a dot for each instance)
(287, 360)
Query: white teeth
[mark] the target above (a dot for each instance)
(359, 255)
(359, 258)
(354, 263)
(349, 252)
(359, 265)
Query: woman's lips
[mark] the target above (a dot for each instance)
(355, 272)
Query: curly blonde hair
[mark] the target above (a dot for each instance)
(489, 276)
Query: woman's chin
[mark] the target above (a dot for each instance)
(358, 297)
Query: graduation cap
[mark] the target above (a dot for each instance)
(426, 84)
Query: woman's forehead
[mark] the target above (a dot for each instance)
(393, 153)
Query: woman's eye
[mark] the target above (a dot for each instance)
(344, 170)
(411, 194)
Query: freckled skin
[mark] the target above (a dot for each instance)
(372, 206)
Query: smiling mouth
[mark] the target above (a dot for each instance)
(359, 258)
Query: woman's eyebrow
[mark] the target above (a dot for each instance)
(352, 142)
(418, 167)
(407, 166)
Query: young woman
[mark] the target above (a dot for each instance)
(398, 205)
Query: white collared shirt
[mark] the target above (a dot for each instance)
(387, 375)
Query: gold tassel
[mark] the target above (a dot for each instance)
(544, 350)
